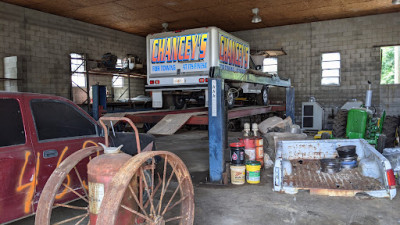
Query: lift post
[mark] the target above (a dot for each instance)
(217, 115)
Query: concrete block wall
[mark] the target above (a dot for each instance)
(44, 41)
(354, 38)
(390, 99)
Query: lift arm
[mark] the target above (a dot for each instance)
(249, 77)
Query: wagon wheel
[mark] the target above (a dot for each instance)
(66, 180)
(172, 187)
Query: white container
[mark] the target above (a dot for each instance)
(238, 176)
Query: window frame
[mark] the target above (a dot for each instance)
(339, 69)
(83, 73)
(271, 65)
(23, 124)
(95, 124)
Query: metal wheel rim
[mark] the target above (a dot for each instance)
(120, 185)
(265, 96)
(53, 184)
(230, 98)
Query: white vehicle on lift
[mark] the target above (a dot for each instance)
(179, 62)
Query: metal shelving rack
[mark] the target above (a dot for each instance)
(90, 72)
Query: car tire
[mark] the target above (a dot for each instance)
(339, 124)
(179, 101)
(380, 145)
(389, 129)
(262, 98)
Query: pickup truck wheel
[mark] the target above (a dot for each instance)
(389, 129)
(179, 101)
(171, 198)
(58, 184)
(262, 98)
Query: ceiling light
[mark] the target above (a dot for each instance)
(395, 2)
(257, 18)
(165, 26)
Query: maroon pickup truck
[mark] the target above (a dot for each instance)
(37, 132)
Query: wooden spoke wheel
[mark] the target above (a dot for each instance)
(67, 183)
(146, 192)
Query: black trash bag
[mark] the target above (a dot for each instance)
(129, 141)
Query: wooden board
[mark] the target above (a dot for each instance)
(171, 123)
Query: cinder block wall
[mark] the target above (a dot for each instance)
(44, 41)
(354, 38)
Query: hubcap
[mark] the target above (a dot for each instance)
(265, 95)
(230, 98)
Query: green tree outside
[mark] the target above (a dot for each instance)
(387, 74)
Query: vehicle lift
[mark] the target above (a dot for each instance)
(218, 114)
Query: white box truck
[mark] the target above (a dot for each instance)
(179, 62)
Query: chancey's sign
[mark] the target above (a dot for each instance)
(233, 55)
(179, 48)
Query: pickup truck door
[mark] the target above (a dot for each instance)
(60, 128)
(17, 161)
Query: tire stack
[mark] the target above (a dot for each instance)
(389, 129)
(330, 166)
(339, 124)
(347, 156)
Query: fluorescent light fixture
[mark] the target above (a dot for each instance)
(257, 18)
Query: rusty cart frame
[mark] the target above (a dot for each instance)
(151, 204)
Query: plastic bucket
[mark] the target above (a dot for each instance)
(237, 153)
(238, 174)
(253, 170)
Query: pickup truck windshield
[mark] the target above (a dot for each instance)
(11, 126)
(56, 119)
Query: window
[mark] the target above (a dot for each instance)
(117, 81)
(330, 65)
(270, 65)
(78, 69)
(11, 125)
(56, 119)
(390, 70)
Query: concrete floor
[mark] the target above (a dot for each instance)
(258, 204)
